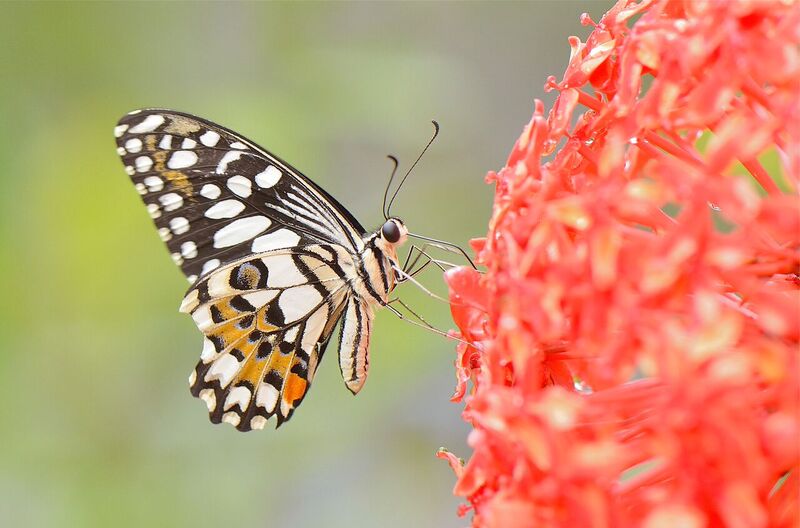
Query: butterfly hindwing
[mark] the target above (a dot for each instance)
(267, 320)
(216, 196)
(354, 336)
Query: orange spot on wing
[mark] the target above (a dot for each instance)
(293, 388)
(182, 126)
(280, 362)
(180, 182)
(253, 369)
(230, 333)
(160, 157)
(227, 311)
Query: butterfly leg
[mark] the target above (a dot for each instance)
(402, 276)
(421, 322)
(412, 312)
(419, 253)
(445, 246)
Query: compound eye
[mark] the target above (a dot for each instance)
(390, 232)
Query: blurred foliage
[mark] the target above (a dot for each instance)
(98, 427)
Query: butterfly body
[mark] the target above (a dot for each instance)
(274, 261)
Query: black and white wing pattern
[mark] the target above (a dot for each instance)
(271, 258)
(216, 196)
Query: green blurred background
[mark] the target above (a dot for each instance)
(98, 427)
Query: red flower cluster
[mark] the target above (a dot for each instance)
(633, 354)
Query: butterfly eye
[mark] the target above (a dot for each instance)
(390, 232)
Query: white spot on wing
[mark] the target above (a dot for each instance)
(202, 318)
(218, 285)
(238, 145)
(154, 211)
(166, 142)
(291, 334)
(189, 250)
(134, 145)
(282, 238)
(240, 230)
(190, 302)
(129, 169)
(223, 369)
(165, 234)
(238, 395)
(267, 396)
(322, 252)
(269, 177)
(258, 422)
(149, 124)
(231, 418)
(283, 271)
(210, 265)
(209, 139)
(154, 183)
(260, 298)
(171, 201)
(210, 191)
(208, 396)
(240, 186)
(297, 302)
(143, 163)
(209, 351)
(140, 188)
(182, 159)
(228, 158)
(179, 225)
(188, 143)
(191, 278)
(177, 258)
(119, 130)
(285, 407)
(225, 209)
(314, 327)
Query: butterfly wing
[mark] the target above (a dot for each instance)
(267, 320)
(216, 196)
(268, 253)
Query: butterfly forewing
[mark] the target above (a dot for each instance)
(216, 197)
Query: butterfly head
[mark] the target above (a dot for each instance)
(394, 232)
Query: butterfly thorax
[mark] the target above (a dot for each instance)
(378, 262)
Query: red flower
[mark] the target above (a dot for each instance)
(633, 353)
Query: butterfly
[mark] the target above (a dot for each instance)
(274, 262)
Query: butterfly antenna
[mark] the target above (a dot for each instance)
(388, 185)
(406, 277)
(435, 133)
